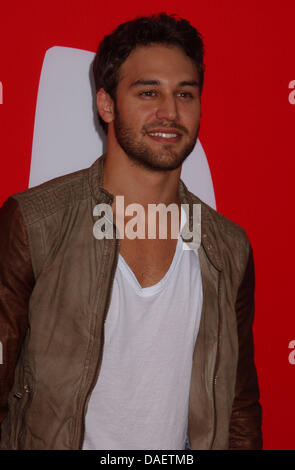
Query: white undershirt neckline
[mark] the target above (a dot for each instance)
(155, 288)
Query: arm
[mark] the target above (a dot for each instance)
(16, 284)
(245, 426)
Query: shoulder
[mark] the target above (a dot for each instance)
(223, 224)
(11, 222)
(42, 210)
(222, 237)
(48, 198)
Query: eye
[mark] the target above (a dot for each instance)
(185, 94)
(148, 93)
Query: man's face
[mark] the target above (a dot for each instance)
(157, 108)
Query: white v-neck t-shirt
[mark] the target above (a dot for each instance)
(141, 397)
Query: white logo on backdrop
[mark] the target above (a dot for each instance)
(292, 93)
(291, 357)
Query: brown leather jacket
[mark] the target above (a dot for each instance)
(55, 288)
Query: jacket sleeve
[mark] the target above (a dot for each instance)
(16, 284)
(245, 425)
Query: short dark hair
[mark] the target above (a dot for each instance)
(142, 31)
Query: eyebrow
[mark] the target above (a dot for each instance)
(142, 82)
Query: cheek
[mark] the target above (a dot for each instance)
(144, 110)
(134, 113)
(192, 119)
(143, 114)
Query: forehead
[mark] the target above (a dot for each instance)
(166, 63)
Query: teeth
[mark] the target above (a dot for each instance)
(162, 134)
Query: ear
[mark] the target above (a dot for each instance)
(105, 105)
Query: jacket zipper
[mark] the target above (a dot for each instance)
(216, 365)
(102, 343)
(19, 395)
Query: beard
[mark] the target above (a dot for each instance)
(142, 154)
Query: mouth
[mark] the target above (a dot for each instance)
(170, 136)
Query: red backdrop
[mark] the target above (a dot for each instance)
(247, 132)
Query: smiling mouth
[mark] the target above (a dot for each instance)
(164, 136)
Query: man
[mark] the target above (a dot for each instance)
(123, 343)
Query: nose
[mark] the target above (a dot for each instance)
(167, 108)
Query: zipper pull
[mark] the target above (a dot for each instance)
(20, 394)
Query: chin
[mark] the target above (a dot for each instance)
(165, 163)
